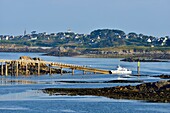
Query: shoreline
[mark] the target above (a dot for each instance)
(146, 56)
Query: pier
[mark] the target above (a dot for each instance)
(15, 65)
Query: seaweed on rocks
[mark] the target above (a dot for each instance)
(151, 92)
(163, 76)
(111, 81)
(141, 60)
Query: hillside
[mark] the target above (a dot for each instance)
(100, 38)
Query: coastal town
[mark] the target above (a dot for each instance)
(96, 39)
(99, 43)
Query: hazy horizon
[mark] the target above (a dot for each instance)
(150, 17)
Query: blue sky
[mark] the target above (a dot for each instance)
(150, 17)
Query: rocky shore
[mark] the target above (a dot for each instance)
(141, 60)
(24, 49)
(151, 92)
(163, 76)
(116, 52)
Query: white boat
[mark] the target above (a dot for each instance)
(120, 70)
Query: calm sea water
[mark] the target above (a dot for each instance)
(23, 94)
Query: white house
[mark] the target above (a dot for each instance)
(149, 40)
(6, 37)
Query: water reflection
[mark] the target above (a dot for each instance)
(4, 81)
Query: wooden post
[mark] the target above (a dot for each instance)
(49, 69)
(94, 71)
(26, 66)
(138, 68)
(38, 68)
(2, 70)
(16, 68)
(72, 71)
(12, 68)
(84, 72)
(61, 71)
(6, 69)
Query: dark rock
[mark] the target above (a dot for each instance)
(163, 76)
(124, 81)
(141, 60)
(111, 81)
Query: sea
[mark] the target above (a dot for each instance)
(23, 94)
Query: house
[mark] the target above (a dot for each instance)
(149, 40)
(152, 46)
(33, 38)
(76, 37)
(1, 36)
(127, 37)
(6, 37)
(11, 37)
(98, 37)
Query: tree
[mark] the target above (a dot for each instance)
(132, 35)
(33, 32)
(168, 42)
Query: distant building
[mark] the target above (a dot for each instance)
(6, 37)
(45, 33)
(149, 40)
(25, 32)
(33, 38)
(76, 37)
(98, 37)
(11, 37)
(1, 36)
(165, 39)
(152, 46)
(126, 37)
(69, 31)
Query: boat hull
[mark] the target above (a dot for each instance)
(120, 72)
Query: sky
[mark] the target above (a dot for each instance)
(149, 17)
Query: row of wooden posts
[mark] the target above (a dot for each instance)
(14, 65)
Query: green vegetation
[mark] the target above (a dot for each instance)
(99, 43)
(100, 38)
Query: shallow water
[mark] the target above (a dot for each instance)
(22, 94)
